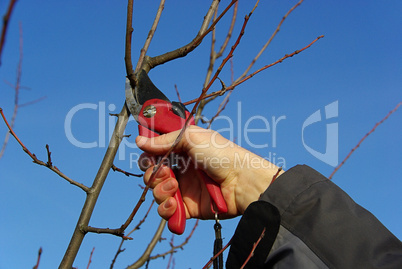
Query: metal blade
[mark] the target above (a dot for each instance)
(144, 91)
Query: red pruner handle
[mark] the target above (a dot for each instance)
(215, 193)
(177, 222)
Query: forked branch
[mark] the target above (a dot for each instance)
(231, 87)
(183, 51)
(47, 164)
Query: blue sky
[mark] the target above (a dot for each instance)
(73, 56)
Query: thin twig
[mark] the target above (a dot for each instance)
(177, 92)
(137, 227)
(17, 88)
(171, 254)
(150, 35)
(231, 87)
(38, 259)
(127, 56)
(183, 51)
(211, 260)
(270, 40)
(213, 57)
(6, 19)
(276, 174)
(180, 246)
(114, 168)
(155, 239)
(364, 137)
(116, 232)
(37, 161)
(90, 257)
(253, 249)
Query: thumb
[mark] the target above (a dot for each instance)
(157, 145)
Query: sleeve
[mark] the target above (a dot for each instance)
(309, 222)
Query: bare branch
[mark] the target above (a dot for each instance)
(208, 264)
(364, 137)
(129, 31)
(6, 19)
(17, 88)
(230, 31)
(150, 35)
(212, 59)
(145, 256)
(37, 161)
(269, 41)
(114, 168)
(116, 232)
(90, 257)
(38, 259)
(183, 51)
(231, 87)
(92, 196)
(177, 92)
(253, 249)
(137, 227)
(180, 246)
(276, 174)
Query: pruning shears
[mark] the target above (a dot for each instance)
(157, 115)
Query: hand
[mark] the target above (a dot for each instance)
(242, 175)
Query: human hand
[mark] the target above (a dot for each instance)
(241, 174)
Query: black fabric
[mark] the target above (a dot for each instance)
(311, 223)
(258, 215)
(340, 233)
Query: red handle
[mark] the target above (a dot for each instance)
(177, 222)
(164, 121)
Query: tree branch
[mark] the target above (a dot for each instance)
(92, 196)
(129, 31)
(137, 227)
(364, 137)
(145, 256)
(48, 164)
(231, 87)
(150, 36)
(208, 264)
(174, 248)
(253, 249)
(16, 87)
(38, 259)
(183, 51)
(114, 168)
(269, 41)
(90, 257)
(6, 19)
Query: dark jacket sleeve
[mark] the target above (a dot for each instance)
(309, 222)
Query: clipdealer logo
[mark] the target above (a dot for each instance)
(330, 156)
(236, 130)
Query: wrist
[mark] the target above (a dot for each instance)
(254, 180)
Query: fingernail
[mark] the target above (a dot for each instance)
(141, 140)
(167, 204)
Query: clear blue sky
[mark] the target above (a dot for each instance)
(73, 55)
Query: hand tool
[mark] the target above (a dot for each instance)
(157, 115)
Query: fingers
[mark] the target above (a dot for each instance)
(194, 136)
(167, 208)
(164, 188)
